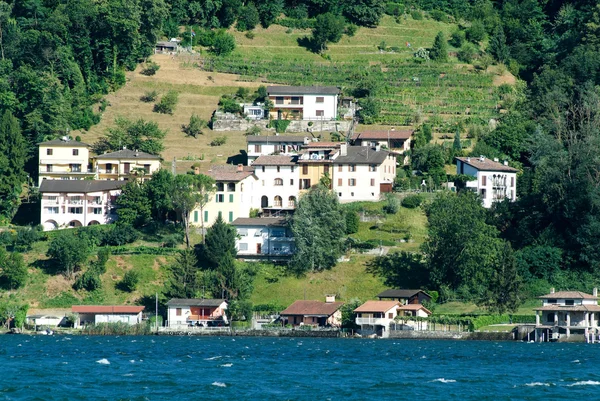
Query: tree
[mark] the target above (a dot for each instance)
(68, 252)
(230, 278)
(400, 270)
(158, 190)
(223, 44)
(369, 110)
(328, 28)
(183, 279)
(12, 164)
(139, 135)
(219, 242)
(190, 192)
(476, 32)
(457, 146)
(268, 11)
(133, 205)
(497, 46)
(503, 292)
(13, 270)
(352, 222)
(167, 103)
(439, 51)
(195, 127)
(363, 12)
(318, 226)
(130, 280)
(248, 18)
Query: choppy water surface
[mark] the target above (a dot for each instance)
(225, 368)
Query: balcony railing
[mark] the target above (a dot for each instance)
(373, 321)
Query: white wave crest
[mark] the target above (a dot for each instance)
(535, 384)
(585, 383)
(219, 384)
(575, 361)
(213, 358)
(227, 365)
(103, 361)
(442, 380)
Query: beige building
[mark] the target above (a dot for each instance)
(314, 313)
(64, 159)
(233, 196)
(126, 163)
(398, 141)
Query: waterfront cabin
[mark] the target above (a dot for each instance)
(94, 314)
(567, 315)
(405, 296)
(313, 313)
(42, 320)
(196, 312)
(375, 317)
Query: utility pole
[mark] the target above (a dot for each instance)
(156, 315)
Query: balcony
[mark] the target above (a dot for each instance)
(373, 321)
(68, 171)
(108, 171)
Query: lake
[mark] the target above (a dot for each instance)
(226, 368)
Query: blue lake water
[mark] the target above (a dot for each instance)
(226, 368)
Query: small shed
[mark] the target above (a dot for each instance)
(165, 47)
(44, 320)
(94, 314)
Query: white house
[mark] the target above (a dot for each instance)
(567, 313)
(93, 314)
(125, 163)
(196, 312)
(259, 145)
(266, 237)
(77, 203)
(375, 317)
(253, 111)
(407, 314)
(303, 102)
(494, 181)
(64, 159)
(42, 320)
(363, 173)
(277, 182)
(398, 141)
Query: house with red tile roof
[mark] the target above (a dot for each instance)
(95, 314)
(196, 312)
(314, 313)
(493, 181)
(375, 317)
(397, 140)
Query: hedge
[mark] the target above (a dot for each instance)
(141, 250)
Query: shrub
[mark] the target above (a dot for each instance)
(249, 35)
(229, 105)
(205, 37)
(392, 204)
(25, 238)
(223, 44)
(352, 222)
(167, 103)
(130, 281)
(121, 234)
(457, 39)
(195, 127)
(466, 53)
(476, 32)
(394, 9)
(149, 96)
(218, 141)
(248, 18)
(172, 240)
(412, 201)
(416, 15)
(279, 125)
(89, 281)
(351, 30)
(439, 16)
(150, 68)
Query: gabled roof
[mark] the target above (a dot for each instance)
(568, 295)
(79, 186)
(377, 306)
(415, 307)
(275, 138)
(402, 293)
(383, 135)
(318, 145)
(172, 45)
(260, 221)
(127, 154)
(303, 90)
(59, 142)
(486, 164)
(228, 172)
(312, 308)
(275, 160)
(195, 302)
(106, 309)
(362, 155)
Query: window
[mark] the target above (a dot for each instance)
(279, 100)
(351, 193)
(278, 201)
(340, 167)
(278, 182)
(75, 152)
(512, 181)
(483, 180)
(373, 167)
(352, 168)
(52, 210)
(231, 187)
(552, 301)
(292, 201)
(206, 215)
(304, 184)
(263, 169)
(326, 169)
(296, 100)
(352, 182)
(75, 168)
(340, 182)
(109, 168)
(292, 169)
(243, 232)
(277, 233)
(550, 317)
(230, 198)
(320, 113)
(220, 198)
(76, 210)
(195, 216)
(257, 148)
(126, 168)
(305, 169)
(97, 210)
(52, 199)
(390, 315)
(96, 200)
(483, 193)
(291, 181)
(243, 247)
(569, 302)
(279, 169)
(372, 182)
(230, 217)
(178, 312)
(147, 168)
(220, 187)
(48, 152)
(320, 99)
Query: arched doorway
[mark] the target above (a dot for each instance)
(75, 223)
(278, 201)
(292, 201)
(93, 223)
(264, 201)
(50, 225)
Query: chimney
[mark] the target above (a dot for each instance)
(240, 168)
(552, 290)
(482, 158)
(124, 147)
(595, 291)
(306, 140)
(506, 162)
(344, 149)
(329, 298)
(377, 148)
(468, 159)
(496, 159)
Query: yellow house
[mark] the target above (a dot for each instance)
(233, 197)
(125, 163)
(315, 162)
(64, 159)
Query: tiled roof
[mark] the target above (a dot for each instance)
(568, 294)
(322, 145)
(486, 164)
(362, 155)
(300, 90)
(275, 138)
(60, 142)
(312, 308)
(83, 186)
(228, 172)
(573, 308)
(376, 306)
(404, 293)
(260, 221)
(383, 135)
(415, 307)
(106, 309)
(195, 302)
(275, 160)
(127, 154)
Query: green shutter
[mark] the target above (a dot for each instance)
(230, 198)
(205, 216)
(220, 214)
(230, 217)
(195, 216)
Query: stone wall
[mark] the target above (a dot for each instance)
(451, 335)
(253, 333)
(230, 122)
